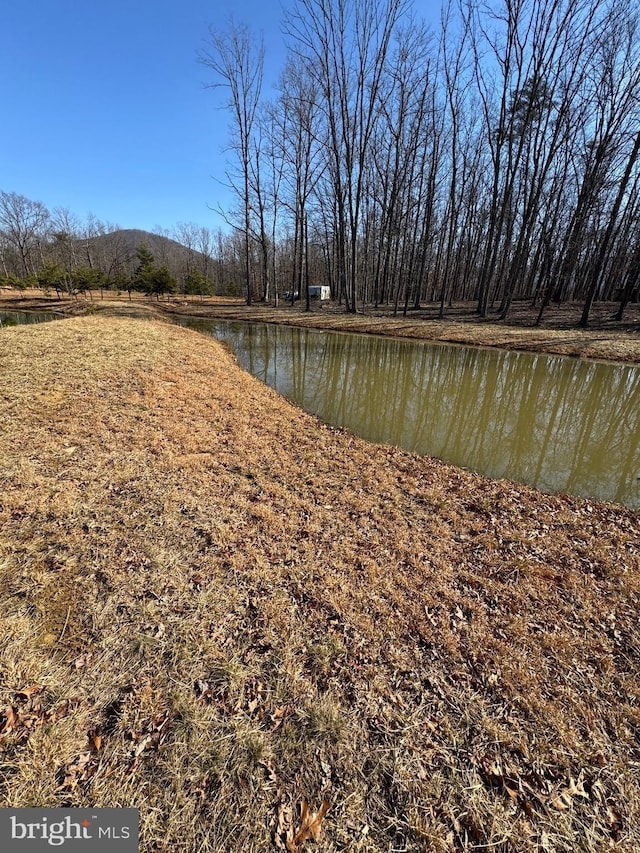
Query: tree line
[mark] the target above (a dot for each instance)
(55, 250)
(493, 159)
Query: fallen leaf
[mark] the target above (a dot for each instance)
(310, 825)
(271, 773)
(561, 802)
(11, 720)
(576, 789)
(26, 694)
(80, 770)
(142, 745)
(278, 716)
(615, 821)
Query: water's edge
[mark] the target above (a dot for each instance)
(556, 423)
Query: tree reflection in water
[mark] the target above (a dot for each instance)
(558, 424)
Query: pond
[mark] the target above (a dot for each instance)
(559, 424)
(19, 318)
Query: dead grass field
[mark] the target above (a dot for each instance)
(218, 609)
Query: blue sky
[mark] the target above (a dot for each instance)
(105, 110)
(104, 107)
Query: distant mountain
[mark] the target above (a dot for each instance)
(130, 239)
(114, 255)
(116, 251)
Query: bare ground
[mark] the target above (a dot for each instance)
(216, 608)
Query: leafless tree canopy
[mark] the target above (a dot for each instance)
(492, 159)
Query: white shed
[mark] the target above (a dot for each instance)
(320, 291)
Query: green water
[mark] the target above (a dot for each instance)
(559, 424)
(19, 318)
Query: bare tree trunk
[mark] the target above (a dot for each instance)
(606, 240)
(238, 61)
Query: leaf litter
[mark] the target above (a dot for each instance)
(230, 615)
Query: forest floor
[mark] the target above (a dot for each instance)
(262, 631)
(605, 338)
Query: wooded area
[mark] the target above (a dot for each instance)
(494, 160)
(55, 250)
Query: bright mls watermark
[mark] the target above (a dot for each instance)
(73, 830)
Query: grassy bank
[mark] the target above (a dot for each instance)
(217, 609)
(605, 339)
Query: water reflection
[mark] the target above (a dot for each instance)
(19, 318)
(558, 424)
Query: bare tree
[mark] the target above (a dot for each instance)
(605, 243)
(345, 43)
(24, 224)
(302, 140)
(205, 241)
(237, 61)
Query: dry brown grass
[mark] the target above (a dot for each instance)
(605, 339)
(214, 607)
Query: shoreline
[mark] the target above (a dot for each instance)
(214, 607)
(604, 340)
